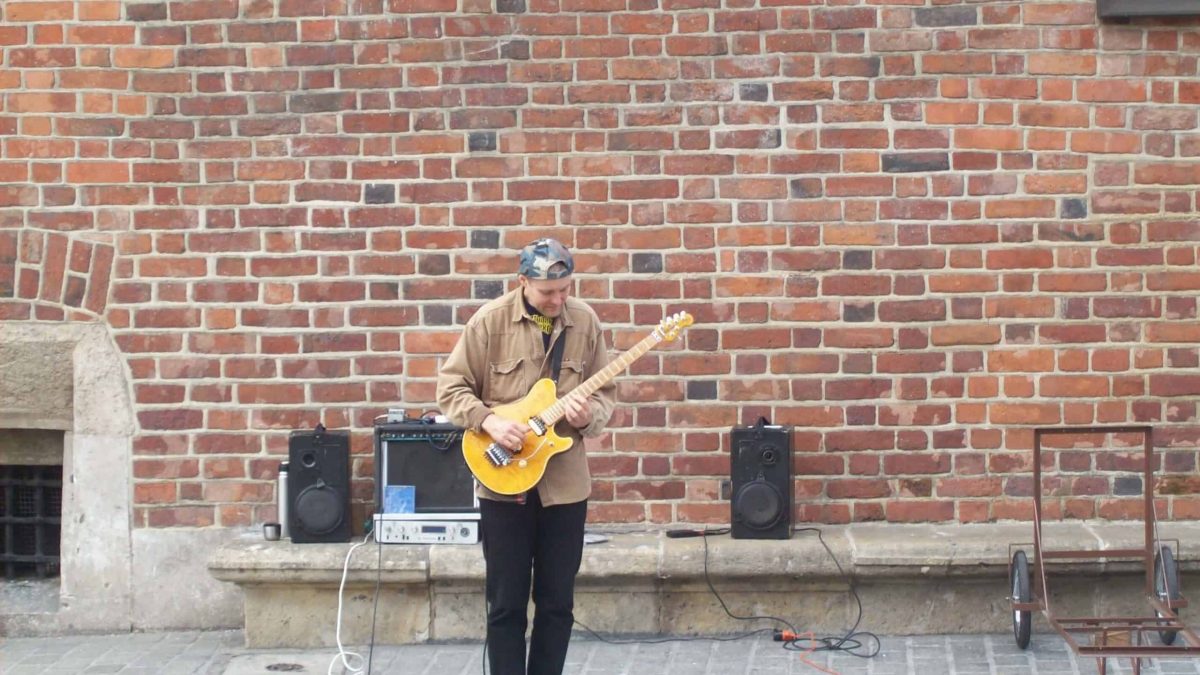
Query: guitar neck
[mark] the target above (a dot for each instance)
(555, 412)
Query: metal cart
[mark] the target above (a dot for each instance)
(1104, 637)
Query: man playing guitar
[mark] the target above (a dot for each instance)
(510, 344)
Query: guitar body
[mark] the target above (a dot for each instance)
(529, 464)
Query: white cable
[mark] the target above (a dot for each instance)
(342, 653)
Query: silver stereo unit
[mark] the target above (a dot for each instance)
(426, 528)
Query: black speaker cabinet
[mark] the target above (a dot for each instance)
(319, 486)
(761, 500)
(428, 457)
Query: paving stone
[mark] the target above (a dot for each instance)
(221, 653)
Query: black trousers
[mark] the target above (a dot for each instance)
(520, 540)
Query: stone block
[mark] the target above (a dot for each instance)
(912, 579)
(305, 615)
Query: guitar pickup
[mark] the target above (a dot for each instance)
(538, 426)
(497, 455)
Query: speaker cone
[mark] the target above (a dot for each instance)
(759, 504)
(318, 508)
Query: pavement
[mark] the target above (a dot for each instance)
(222, 653)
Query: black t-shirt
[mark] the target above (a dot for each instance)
(543, 322)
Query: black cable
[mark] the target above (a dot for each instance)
(375, 608)
(487, 610)
(850, 643)
(705, 534)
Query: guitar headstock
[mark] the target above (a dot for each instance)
(670, 327)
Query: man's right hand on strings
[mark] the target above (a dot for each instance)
(509, 434)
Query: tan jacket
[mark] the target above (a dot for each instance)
(497, 360)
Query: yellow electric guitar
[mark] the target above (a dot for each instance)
(510, 473)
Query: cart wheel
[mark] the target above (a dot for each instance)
(1018, 577)
(1166, 585)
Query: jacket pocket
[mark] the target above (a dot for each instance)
(571, 375)
(505, 382)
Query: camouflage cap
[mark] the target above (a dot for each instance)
(539, 258)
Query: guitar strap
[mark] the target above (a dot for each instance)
(556, 355)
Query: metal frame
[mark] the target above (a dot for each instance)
(1106, 633)
(30, 522)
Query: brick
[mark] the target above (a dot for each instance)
(854, 138)
(1025, 413)
(968, 487)
(1061, 64)
(49, 57)
(170, 420)
(859, 186)
(695, 46)
(987, 139)
(952, 113)
(957, 64)
(1056, 184)
(644, 69)
(376, 123)
(842, 19)
(1035, 115)
(859, 337)
(101, 34)
(540, 190)
(1006, 88)
(1126, 202)
(97, 172)
(1115, 91)
(752, 188)
(1074, 386)
(1167, 174)
(1119, 307)
(858, 489)
(1020, 208)
(945, 16)
(1105, 142)
(1061, 13)
(644, 189)
(39, 11)
(802, 91)
(41, 102)
(1019, 307)
(15, 195)
(1003, 38)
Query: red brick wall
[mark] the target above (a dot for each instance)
(914, 229)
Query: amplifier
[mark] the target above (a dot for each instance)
(413, 528)
(428, 457)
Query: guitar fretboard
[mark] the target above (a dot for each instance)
(556, 411)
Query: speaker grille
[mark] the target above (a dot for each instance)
(319, 508)
(428, 457)
(759, 505)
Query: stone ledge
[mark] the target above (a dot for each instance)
(957, 549)
(864, 550)
(953, 576)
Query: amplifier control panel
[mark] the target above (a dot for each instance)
(413, 531)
